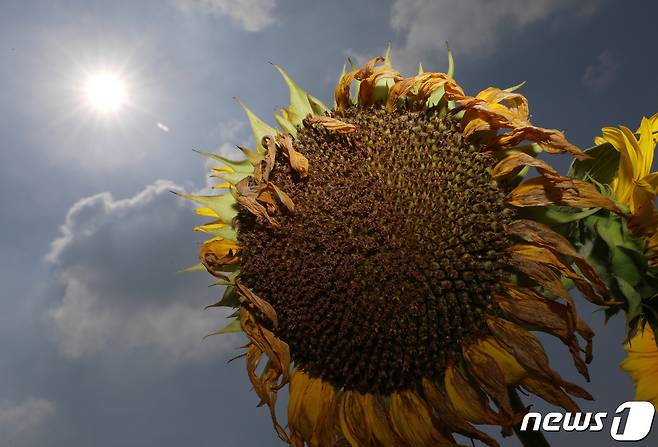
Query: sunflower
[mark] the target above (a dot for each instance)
(624, 246)
(642, 365)
(383, 261)
(634, 184)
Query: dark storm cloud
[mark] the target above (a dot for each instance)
(470, 26)
(115, 263)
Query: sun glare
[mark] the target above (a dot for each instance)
(105, 92)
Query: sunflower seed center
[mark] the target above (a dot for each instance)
(388, 264)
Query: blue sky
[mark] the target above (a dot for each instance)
(100, 341)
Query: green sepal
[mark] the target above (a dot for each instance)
(514, 88)
(451, 62)
(319, 108)
(195, 268)
(285, 125)
(532, 149)
(253, 157)
(225, 232)
(224, 205)
(554, 215)
(602, 167)
(300, 106)
(382, 87)
(259, 128)
(230, 279)
(342, 73)
(232, 327)
(436, 99)
(387, 57)
(231, 298)
(236, 165)
(231, 177)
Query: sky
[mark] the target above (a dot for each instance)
(101, 341)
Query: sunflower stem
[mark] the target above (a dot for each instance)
(528, 438)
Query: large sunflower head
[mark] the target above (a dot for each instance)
(383, 260)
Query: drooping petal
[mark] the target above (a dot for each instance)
(342, 92)
(413, 422)
(311, 410)
(363, 420)
(331, 124)
(467, 399)
(438, 399)
(542, 191)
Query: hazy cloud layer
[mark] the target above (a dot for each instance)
(469, 26)
(252, 15)
(602, 72)
(20, 422)
(116, 262)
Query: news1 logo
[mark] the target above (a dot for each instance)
(638, 418)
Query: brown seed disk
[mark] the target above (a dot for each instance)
(388, 264)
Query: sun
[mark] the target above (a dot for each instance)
(105, 92)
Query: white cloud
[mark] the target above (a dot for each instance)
(469, 26)
(252, 15)
(19, 422)
(602, 72)
(116, 263)
(231, 133)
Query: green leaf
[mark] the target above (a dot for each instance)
(609, 229)
(224, 205)
(624, 268)
(259, 128)
(602, 167)
(300, 106)
(233, 326)
(236, 165)
(632, 298)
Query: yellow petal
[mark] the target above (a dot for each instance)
(642, 365)
(413, 422)
(206, 212)
(469, 402)
(509, 366)
(310, 409)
